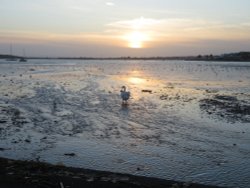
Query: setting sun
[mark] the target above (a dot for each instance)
(136, 39)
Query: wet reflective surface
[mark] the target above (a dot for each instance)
(185, 121)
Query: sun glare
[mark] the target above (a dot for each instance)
(136, 39)
(135, 80)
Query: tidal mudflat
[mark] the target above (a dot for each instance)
(185, 121)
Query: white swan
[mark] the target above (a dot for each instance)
(124, 95)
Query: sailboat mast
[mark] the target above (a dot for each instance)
(11, 49)
(24, 52)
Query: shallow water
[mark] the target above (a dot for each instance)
(194, 125)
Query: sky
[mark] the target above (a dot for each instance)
(114, 28)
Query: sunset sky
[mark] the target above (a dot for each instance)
(99, 28)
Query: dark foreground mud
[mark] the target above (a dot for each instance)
(27, 174)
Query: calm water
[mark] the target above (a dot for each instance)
(185, 129)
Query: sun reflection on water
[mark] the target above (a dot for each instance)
(136, 80)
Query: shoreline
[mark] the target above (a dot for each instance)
(228, 57)
(31, 174)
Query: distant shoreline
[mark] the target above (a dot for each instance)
(239, 57)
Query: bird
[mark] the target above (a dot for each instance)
(124, 95)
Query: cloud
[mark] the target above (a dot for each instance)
(173, 24)
(181, 29)
(138, 23)
(109, 3)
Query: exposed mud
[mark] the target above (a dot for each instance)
(227, 107)
(186, 121)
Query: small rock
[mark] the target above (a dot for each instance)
(70, 154)
(146, 91)
(27, 140)
(90, 179)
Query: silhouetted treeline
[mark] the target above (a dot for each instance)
(240, 56)
(9, 57)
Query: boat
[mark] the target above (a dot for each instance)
(23, 59)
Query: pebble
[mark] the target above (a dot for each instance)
(27, 140)
(70, 154)
(146, 90)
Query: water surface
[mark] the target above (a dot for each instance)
(193, 125)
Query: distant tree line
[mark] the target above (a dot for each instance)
(8, 56)
(240, 56)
